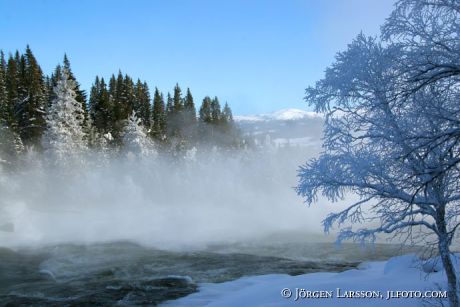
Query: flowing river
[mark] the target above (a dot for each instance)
(128, 274)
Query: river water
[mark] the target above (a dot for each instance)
(128, 274)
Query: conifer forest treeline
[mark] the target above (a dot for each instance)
(47, 113)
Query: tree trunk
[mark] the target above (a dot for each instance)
(443, 246)
(451, 275)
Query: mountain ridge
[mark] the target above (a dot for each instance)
(288, 114)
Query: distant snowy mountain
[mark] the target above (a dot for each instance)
(285, 114)
(287, 127)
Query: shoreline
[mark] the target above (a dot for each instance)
(398, 280)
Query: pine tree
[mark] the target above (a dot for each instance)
(227, 116)
(129, 94)
(48, 90)
(12, 84)
(206, 111)
(170, 116)
(94, 98)
(205, 120)
(10, 147)
(30, 107)
(80, 94)
(105, 108)
(177, 99)
(142, 102)
(100, 107)
(215, 111)
(5, 110)
(112, 87)
(158, 116)
(189, 107)
(189, 124)
(169, 105)
(22, 86)
(119, 104)
(175, 121)
(217, 126)
(135, 140)
(230, 135)
(64, 137)
(122, 102)
(10, 143)
(55, 76)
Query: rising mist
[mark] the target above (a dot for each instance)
(214, 197)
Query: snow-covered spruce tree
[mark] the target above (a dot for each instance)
(135, 140)
(377, 146)
(64, 138)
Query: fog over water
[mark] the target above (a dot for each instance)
(219, 197)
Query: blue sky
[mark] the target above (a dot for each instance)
(258, 55)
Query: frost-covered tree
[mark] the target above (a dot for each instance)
(11, 146)
(64, 138)
(135, 140)
(190, 154)
(379, 145)
(427, 35)
(80, 95)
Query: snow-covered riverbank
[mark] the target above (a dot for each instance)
(400, 281)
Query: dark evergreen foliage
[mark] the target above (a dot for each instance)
(206, 111)
(100, 107)
(142, 102)
(26, 93)
(215, 110)
(6, 110)
(158, 116)
(30, 105)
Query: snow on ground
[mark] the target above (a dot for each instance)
(403, 273)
